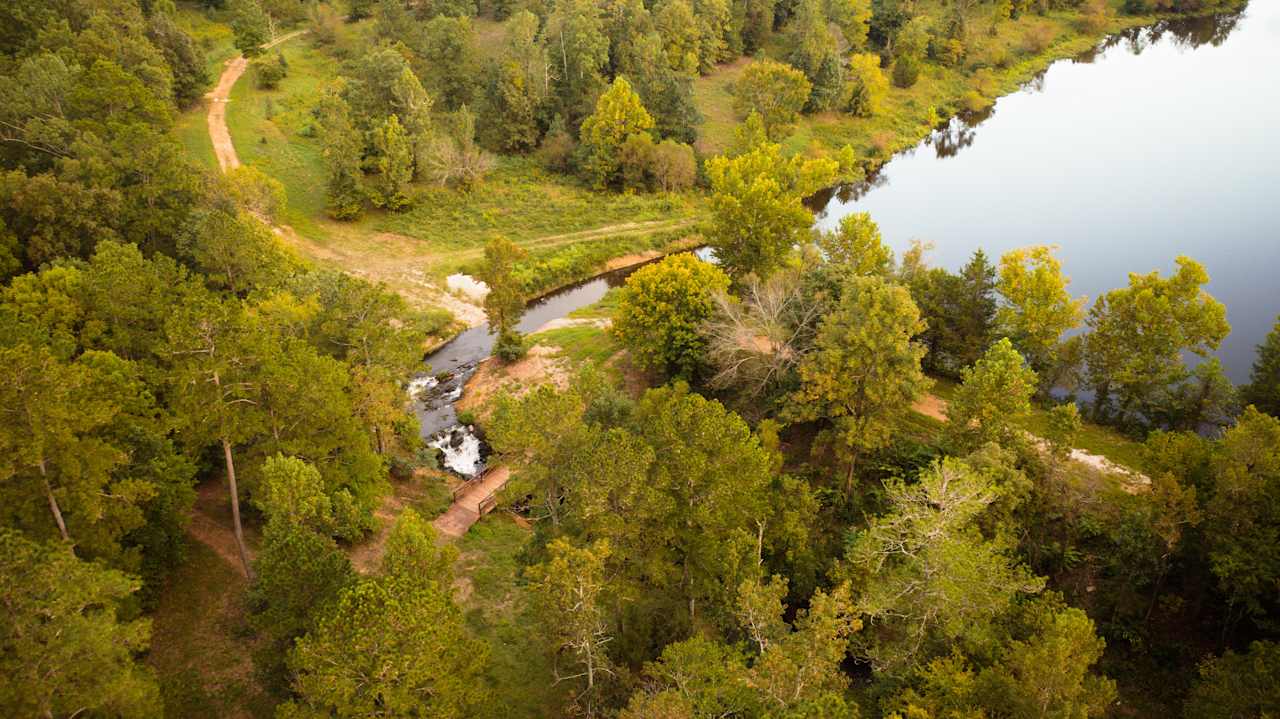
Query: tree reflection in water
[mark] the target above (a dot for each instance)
(960, 131)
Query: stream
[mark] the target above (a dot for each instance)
(454, 363)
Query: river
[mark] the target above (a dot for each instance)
(1157, 144)
(1161, 143)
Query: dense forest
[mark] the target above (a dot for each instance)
(801, 478)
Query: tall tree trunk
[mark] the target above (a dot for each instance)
(235, 508)
(53, 502)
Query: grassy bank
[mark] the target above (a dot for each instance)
(995, 64)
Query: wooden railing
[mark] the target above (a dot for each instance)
(486, 504)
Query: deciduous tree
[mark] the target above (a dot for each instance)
(864, 371)
(1037, 307)
(662, 310)
(757, 201)
(775, 90)
(994, 395)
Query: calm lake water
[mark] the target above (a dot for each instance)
(1161, 143)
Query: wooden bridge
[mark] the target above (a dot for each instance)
(472, 500)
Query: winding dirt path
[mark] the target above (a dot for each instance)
(223, 149)
(1133, 481)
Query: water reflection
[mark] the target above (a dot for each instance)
(1156, 143)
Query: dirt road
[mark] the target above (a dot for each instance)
(218, 99)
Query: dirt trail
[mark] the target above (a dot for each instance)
(936, 407)
(211, 523)
(218, 99)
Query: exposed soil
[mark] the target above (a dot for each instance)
(1131, 481)
(212, 526)
(223, 149)
(542, 365)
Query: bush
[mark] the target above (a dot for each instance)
(775, 90)
(269, 71)
(510, 347)
(1038, 37)
(557, 151)
(674, 166)
(635, 159)
(906, 71)
(324, 22)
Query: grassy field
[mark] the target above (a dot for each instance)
(569, 230)
(1008, 59)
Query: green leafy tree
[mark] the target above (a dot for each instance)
(53, 455)
(343, 154)
(215, 354)
(994, 396)
(450, 60)
(251, 26)
(1037, 307)
(64, 648)
(868, 86)
(1237, 685)
(300, 570)
(1047, 674)
(814, 52)
(1138, 335)
(1263, 390)
(909, 47)
(579, 52)
(857, 248)
(516, 88)
(618, 116)
(775, 90)
(758, 209)
(662, 309)
(929, 578)
(1243, 514)
(678, 28)
(184, 58)
(505, 302)
(864, 371)
(570, 591)
(235, 251)
(394, 643)
(394, 161)
(853, 17)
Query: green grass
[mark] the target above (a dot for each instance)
(582, 344)
(269, 128)
(445, 228)
(201, 645)
(519, 676)
(1092, 438)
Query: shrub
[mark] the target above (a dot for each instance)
(906, 71)
(324, 22)
(269, 71)
(557, 150)
(777, 91)
(1038, 37)
(635, 159)
(674, 166)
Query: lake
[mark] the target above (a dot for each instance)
(1161, 143)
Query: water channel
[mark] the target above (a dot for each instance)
(1156, 144)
